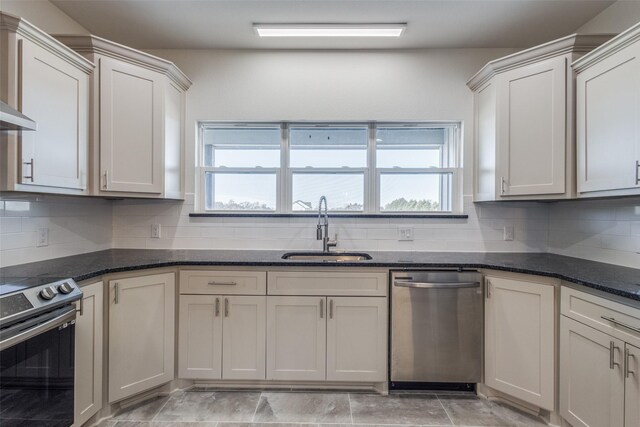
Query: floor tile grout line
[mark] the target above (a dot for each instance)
(161, 408)
(253, 418)
(350, 409)
(445, 410)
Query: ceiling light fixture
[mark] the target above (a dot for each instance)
(329, 30)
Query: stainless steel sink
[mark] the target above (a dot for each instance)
(327, 257)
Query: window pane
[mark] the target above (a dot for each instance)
(344, 192)
(240, 192)
(242, 147)
(328, 147)
(415, 192)
(411, 147)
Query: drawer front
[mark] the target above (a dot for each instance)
(610, 317)
(328, 283)
(223, 282)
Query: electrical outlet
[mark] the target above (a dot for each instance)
(43, 237)
(405, 234)
(508, 232)
(155, 231)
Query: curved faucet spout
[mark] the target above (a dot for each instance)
(322, 230)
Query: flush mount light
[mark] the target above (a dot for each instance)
(329, 30)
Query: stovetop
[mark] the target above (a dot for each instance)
(10, 285)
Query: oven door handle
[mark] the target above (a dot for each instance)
(67, 315)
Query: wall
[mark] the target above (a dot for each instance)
(43, 14)
(76, 225)
(614, 19)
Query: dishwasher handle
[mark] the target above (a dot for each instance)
(435, 285)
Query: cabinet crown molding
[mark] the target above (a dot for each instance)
(90, 44)
(23, 28)
(574, 43)
(608, 48)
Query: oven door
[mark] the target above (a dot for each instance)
(37, 371)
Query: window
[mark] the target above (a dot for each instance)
(367, 168)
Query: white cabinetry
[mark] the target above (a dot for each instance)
(524, 139)
(599, 361)
(520, 338)
(138, 120)
(49, 83)
(222, 336)
(608, 117)
(313, 335)
(141, 333)
(88, 354)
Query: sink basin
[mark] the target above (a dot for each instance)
(327, 257)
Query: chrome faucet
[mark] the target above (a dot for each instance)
(324, 236)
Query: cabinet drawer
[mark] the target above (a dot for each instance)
(592, 311)
(328, 283)
(223, 282)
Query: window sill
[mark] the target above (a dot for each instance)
(315, 214)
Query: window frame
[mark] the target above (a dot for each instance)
(371, 173)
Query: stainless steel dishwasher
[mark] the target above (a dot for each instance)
(436, 328)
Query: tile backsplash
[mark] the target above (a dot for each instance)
(482, 231)
(601, 230)
(73, 226)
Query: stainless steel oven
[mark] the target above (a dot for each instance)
(37, 334)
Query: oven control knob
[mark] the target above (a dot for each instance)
(65, 288)
(48, 293)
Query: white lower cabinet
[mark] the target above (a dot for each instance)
(141, 334)
(599, 361)
(520, 339)
(222, 337)
(88, 354)
(296, 338)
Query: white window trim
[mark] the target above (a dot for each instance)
(371, 201)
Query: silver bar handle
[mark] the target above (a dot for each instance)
(217, 313)
(612, 355)
(637, 172)
(40, 328)
(226, 307)
(502, 185)
(80, 308)
(116, 292)
(627, 369)
(214, 283)
(488, 290)
(32, 169)
(435, 285)
(322, 308)
(330, 309)
(624, 325)
(106, 179)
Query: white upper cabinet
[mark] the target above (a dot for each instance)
(608, 118)
(49, 83)
(138, 120)
(524, 139)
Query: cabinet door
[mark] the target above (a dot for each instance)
(608, 123)
(532, 129)
(244, 338)
(200, 337)
(357, 339)
(520, 340)
(141, 334)
(55, 94)
(296, 338)
(591, 388)
(88, 354)
(632, 386)
(131, 128)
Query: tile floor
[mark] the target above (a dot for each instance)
(318, 409)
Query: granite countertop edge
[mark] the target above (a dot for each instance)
(608, 278)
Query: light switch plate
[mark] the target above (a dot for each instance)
(43, 237)
(508, 232)
(155, 231)
(405, 234)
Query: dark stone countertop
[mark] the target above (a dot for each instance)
(613, 279)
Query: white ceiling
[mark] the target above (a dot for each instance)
(203, 24)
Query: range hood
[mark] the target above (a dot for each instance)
(12, 119)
